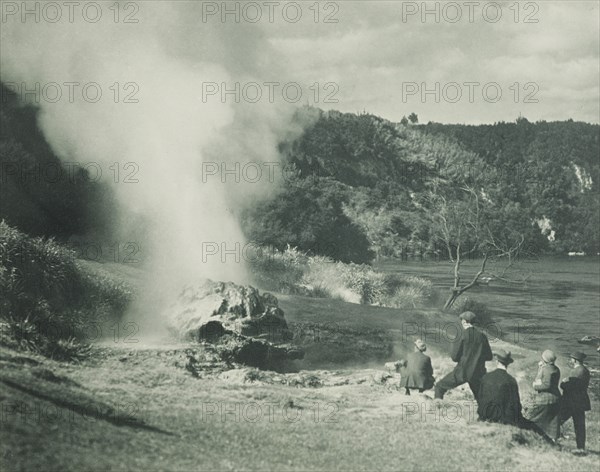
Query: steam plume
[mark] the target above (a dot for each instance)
(169, 132)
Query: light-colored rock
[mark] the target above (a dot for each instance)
(212, 309)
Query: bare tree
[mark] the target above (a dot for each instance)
(462, 221)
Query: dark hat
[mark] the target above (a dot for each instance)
(578, 355)
(503, 356)
(468, 316)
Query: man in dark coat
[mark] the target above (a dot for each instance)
(470, 351)
(418, 371)
(575, 397)
(498, 399)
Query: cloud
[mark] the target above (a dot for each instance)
(371, 53)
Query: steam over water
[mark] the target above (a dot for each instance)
(154, 70)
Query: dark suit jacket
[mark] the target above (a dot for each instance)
(418, 372)
(547, 392)
(575, 396)
(499, 399)
(471, 350)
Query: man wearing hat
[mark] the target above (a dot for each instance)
(546, 404)
(470, 351)
(418, 371)
(498, 399)
(575, 397)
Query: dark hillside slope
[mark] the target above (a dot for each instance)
(38, 193)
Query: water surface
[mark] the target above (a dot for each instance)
(557, 304)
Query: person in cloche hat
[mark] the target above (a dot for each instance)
(418, 371)
(575, 397)
(499, 399)
(470, 351)
(545, 412)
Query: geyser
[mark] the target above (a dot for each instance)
(168, 132)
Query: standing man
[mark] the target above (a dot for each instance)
(418, 371)
(575, 397)
(470, 352)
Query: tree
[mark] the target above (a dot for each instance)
(413, 118)
(381, 220)
(308, 214)
(467, 224)
(404, 121)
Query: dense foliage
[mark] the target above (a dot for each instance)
(48, 300)
(536, 181)
(309, 215)
(293, 271)
(549, 170)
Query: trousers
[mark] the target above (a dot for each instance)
(578, 425)
(450, 381)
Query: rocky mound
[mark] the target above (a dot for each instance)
(212, 309)
(248, 327)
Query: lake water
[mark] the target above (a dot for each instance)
(557, 305)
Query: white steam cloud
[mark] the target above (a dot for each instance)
(164, 58)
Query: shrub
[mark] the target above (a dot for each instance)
(68, 350)
(292, 271)
(46, 296)
(308, 213)
(278, 270)
(363, 281)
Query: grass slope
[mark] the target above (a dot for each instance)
(133, 407)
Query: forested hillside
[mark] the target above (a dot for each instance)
(363, 187)
(39, 194)
(536, 180)
(551, 168)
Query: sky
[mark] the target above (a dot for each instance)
(543, 57)
(451, 62)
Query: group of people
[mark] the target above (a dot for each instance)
(497, 392)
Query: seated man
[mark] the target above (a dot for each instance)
(417, 372)
(498, 399)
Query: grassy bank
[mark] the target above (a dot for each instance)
(138, 406)
(49, 300)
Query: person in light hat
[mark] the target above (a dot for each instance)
(499, 400)
(470, 351)
(545, 412)
(417, 373)
(575, 397)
